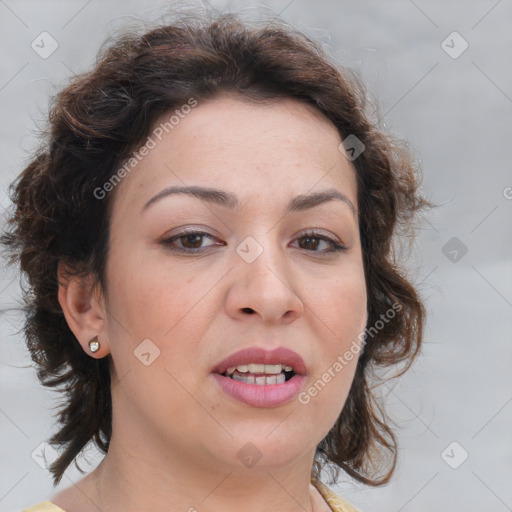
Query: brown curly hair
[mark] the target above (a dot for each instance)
(98, 121)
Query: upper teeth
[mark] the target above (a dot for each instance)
(272, 369)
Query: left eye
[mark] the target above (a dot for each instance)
(191, 242)
(314, 239)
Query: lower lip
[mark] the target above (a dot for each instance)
(268, 395)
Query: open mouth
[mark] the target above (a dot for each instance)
(260, 378)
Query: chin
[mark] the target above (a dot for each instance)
(267, 450)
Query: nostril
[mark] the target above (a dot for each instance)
(248, 310)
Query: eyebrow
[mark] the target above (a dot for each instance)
(228, 200)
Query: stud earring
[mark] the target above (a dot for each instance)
(94, 344)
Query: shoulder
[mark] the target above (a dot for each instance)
(45, 506)
(336, 503)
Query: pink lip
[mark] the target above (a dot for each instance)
(259, 355)
(271, 395)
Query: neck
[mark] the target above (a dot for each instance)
(129, 479)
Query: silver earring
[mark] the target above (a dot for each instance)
(94, 344)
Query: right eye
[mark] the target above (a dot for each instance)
(190, 241)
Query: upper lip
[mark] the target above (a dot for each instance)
(258, 355)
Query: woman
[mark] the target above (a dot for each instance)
(208, 239)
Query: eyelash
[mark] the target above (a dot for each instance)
(335, 246)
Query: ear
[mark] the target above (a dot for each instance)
(84, 309)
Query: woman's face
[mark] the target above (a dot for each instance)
(254, 277)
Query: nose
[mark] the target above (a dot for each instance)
(264, 289)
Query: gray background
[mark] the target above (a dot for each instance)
(456, 114)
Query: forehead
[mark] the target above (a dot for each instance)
(253, 147)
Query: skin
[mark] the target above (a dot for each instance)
(175, 433)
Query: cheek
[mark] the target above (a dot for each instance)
(339, 303)
(150, 297)
(150, 302)
(339, 309)
(165, 305)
